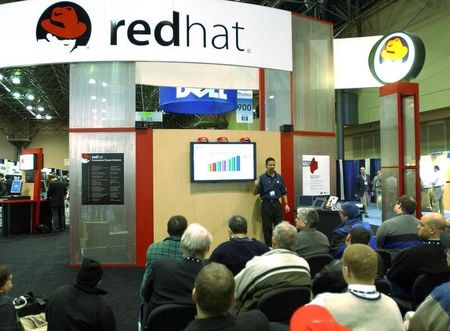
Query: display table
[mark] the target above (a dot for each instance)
(17, 216)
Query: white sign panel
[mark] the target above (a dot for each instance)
(194, 31)
(244, 111)
(316, 174)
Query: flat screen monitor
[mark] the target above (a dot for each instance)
(16, 187)
(223, 162)
(319, 202)
(27, 162)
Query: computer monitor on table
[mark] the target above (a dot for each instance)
(16, 187)
(319, 202)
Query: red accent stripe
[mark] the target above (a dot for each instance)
(314, 133)
(262, 100)
(403, 88)
(287, 170)
(102, 129)
(291, 83)
(144, 194)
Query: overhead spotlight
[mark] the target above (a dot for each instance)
(15, 80)
(40, 108)
(271, 97)
(93, 97)
(104, 84)
(245, 140)
(38, 116)
(16, 95)
(202, 139)
(29, 107)
(103, 99)
(30, 97)
(48, 117)
(1, 77)
(92, 81)
(222, 139)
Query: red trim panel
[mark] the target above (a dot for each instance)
(287, 170)
(403, 88)
(144, 193)
(315, 134)
(262, 100)
(102, 130)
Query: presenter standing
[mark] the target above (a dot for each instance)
(271, 188)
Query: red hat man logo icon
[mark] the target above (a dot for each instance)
(64, 23)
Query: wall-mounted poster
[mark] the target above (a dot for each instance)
(102, 179)
(316, 174)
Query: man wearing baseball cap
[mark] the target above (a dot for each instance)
(81, 306)
(434, 312)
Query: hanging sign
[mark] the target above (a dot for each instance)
(201, 101)
(244, 110)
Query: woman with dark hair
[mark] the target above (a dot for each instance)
(9, 321)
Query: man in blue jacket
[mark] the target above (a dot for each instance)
(350, 218)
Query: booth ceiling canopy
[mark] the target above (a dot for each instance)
(36, 98)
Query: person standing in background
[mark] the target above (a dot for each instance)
(438, 183)
(56, 193)
(363, 188)
(3, 185)
(376, 187)
(271, 188)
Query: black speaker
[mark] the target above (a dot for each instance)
(286, 128)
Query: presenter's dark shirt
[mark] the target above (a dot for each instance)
(273, 183)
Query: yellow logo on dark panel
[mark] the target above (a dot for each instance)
(397, 57)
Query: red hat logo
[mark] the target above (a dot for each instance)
(65, 23)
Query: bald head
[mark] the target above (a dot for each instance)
(431, 226)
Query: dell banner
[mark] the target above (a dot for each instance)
(200, 101)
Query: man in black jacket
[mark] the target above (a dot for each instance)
(56, 193)
(429, 258)
(81, 306)
(213, 295)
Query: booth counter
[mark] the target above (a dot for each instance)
(17, 215)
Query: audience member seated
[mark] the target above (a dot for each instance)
(434, 312)
(280, 267)
(81, 306)
(362, 307)
(313, 317)
(168, 248)
(399, 232)
(9, 321)
(331, 279)
(172, 280)
(427, 258)
(239, 249)
(310, 241)
(350, 218)
(213, 295)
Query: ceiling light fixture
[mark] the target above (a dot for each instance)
(40, 108)
(92, 81)
(15, 80)
(38, 116)
(30, 97)
(29, 107)
(16, 95)
(48, 117)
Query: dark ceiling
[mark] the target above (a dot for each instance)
(50, 83)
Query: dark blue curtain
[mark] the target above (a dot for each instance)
(351, 170)
(375, 165)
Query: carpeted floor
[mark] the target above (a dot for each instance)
(40, 264)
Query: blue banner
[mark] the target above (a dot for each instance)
(201, 101)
